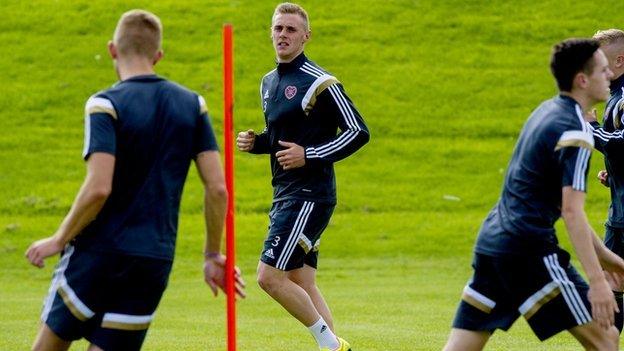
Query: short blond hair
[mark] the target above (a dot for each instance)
(609, 36)
(138, 32)
(293, 9)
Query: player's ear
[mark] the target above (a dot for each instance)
(619, 61)
(580, 81)
(112, 50)
(307, 36)
(159, 55)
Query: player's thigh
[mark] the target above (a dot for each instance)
(304, 276)
(466, 340)
(136, 287)
(75, 294)
(294, 232)
(47, 340)
(614, 240)
(485, 303)
(550, 294)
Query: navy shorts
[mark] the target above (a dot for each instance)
(108, 299)
(295, 230)
(546, 290)
(614, 240)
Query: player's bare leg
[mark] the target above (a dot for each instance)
(466, 340)
(594, 337)
(94, 348)
(290, 295)
(305, 277)
(47, 340)
(299, 304)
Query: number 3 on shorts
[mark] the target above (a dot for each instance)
(276, 241)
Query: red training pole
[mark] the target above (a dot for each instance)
(228, 132)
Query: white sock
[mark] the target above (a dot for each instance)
(323, 335)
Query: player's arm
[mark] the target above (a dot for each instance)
(583, 240)
(91, 197)
(99, 153)
(331, 102)
(353, 131)
(208, 163)
(249, 141)
(602, 138)
(215, 202)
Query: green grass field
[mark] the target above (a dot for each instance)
(444, 87)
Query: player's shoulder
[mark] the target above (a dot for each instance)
(313, 70)
(100, 102)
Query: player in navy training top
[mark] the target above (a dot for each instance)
(519, 268)
(609, 141)
(304, 106)
(118, 239)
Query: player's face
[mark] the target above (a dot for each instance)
(600, 78)
(289, 36)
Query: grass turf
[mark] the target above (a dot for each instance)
(444, 87)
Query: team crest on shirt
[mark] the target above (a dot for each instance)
(290, 91)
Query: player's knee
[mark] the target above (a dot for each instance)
(267, 281)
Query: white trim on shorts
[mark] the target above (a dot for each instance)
(296, 232)
(568, 290)
(126, 321)
(59, 273)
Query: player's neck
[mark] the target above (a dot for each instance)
(128, 69)
(581, 98)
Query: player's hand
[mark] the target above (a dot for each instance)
(291, 157)
(590, 116)
(245, 140)
(602, 303)
(603, 177)
(214, 276)
(42, 249)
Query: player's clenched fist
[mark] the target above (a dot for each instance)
(245, 140)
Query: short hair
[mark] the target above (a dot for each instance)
(609, 36)
(570, 57)
(294, 9)
(138, 32)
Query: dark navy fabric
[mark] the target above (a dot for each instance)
(89, 286)
(547, 291)
(154, 128)
(304, 104)
(295, 229)
(552, 152)
(610, 142)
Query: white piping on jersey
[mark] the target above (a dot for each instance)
(87, 134)
(606, 136)
(570, 135)
(312, 68)
(582, 158)
(202, 104)
(95, 105)
(262, 83)
(569, 292)
(297, 230)
(101, 105)
(616, 107)
(345, 110)
(308, 95)
(579, 114)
